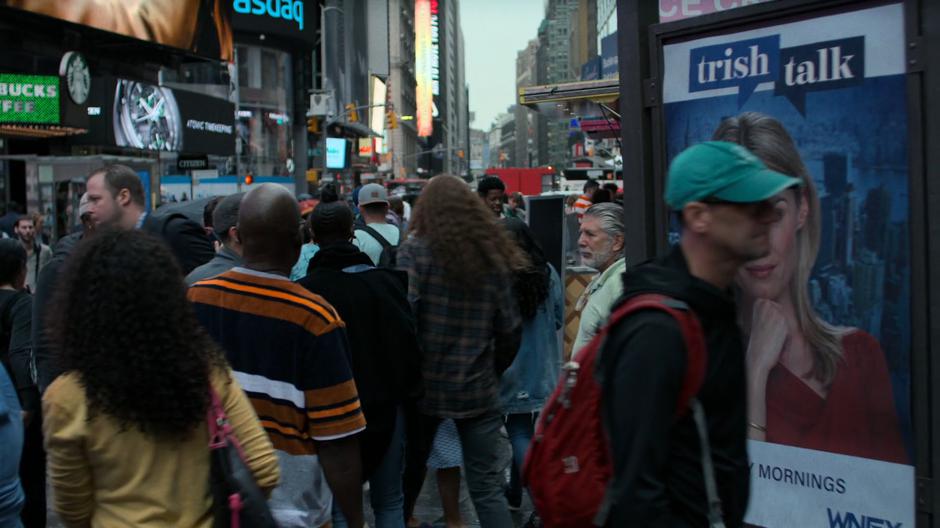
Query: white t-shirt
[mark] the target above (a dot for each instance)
(370, 246)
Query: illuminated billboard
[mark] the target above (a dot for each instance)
(377, 106)
(335, 153)
(29, 99)
(202, 27)
(423, 66)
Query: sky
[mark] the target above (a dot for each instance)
(494, 32)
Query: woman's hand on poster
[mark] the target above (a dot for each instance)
(769, 333)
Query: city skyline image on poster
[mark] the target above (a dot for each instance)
(838, 446)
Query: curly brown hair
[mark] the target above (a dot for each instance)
(464, 236)
(122, 322)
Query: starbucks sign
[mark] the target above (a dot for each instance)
(29, 98)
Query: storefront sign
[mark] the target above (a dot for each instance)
(29, 98)
(670, 10)
(278, 9)
(424, 68)
(185, 163)
(839, 456)
(285, 18)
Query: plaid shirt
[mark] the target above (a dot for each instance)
(467, 337)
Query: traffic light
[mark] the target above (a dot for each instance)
(249, 179)
(460, 153)
(392, 118)
(351, 113)
(313, 125)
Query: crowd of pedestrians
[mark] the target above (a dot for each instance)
(368, 343)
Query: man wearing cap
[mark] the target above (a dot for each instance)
(229, 255)
(373, 205)
(720, 192)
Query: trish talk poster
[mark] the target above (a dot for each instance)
(826, 315)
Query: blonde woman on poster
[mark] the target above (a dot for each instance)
(811, 384)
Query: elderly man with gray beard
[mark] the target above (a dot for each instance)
(601, 247)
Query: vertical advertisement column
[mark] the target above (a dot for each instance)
(826, 315)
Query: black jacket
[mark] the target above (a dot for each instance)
(16, 345)
(185, 238)
(383, 340)
(46, 367)
(657, 462)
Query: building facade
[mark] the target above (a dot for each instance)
(404, 144)
(556, 39)
(529, 122)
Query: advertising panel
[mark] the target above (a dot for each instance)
(423, 65)
(670, 10)
(203, 27)
(335, 153)
(591, 70)
(377, 98)
(147, 117)
(610, 68)
(835, 394)
(29, 98)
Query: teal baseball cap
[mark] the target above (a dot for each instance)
(724, 171)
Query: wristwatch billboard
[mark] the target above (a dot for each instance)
(146, 117)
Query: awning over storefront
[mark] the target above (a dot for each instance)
(38, 131)
(350, 129)
(603, 91)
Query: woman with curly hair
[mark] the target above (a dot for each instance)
(125, 425)
(460, 264)
(530, 380)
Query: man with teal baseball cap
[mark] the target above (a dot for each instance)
(720, 170)
(721, 194)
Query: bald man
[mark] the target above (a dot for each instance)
(288, 349)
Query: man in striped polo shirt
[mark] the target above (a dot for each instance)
(289, 351)
(584, 201)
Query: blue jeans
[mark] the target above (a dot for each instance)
(385, 486)
(520, 428)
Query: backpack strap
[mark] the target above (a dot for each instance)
(378, 237)
(692, 335)
(715, 517)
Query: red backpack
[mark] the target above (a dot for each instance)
(568, 467)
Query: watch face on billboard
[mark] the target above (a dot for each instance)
(146, 117)
(335, 153)
(29, 98)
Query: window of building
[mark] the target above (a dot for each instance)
(265, 109)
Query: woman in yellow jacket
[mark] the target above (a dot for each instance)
(125, 425)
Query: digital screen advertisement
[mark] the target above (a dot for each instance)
(29, 98)
(838, 447)
(175, 24)
(426, 61)
(335, 153)
(139, 115)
